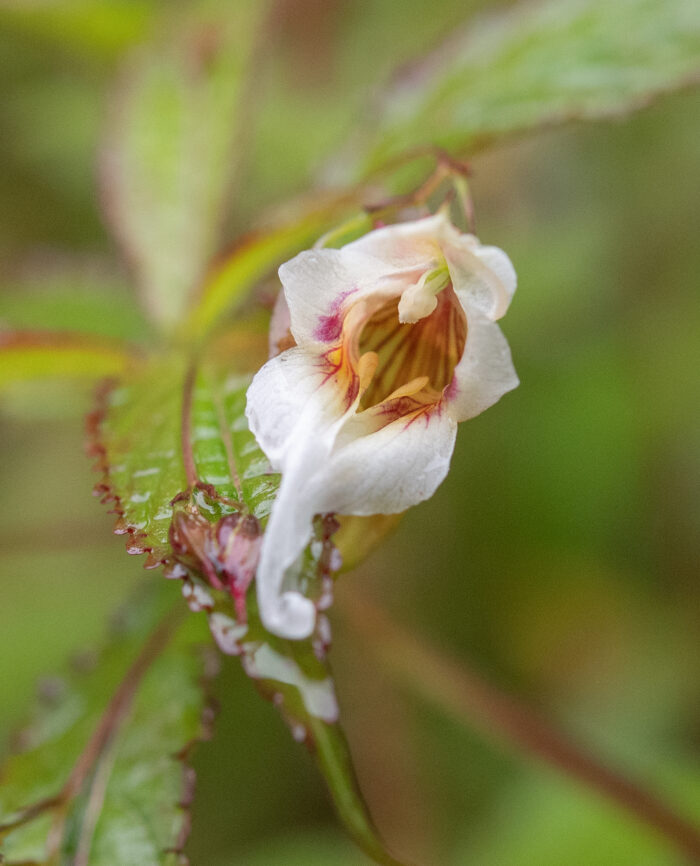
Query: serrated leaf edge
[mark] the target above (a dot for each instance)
(104, 490)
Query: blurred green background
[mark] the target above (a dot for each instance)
(561, 554)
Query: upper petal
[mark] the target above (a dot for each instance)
(482, 276)
(321, 285)
(414, 244)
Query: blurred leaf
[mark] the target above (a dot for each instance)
(256, 255)
(79, 297)
(31, 355)
(545, 820)
(532, 67)
(170, 151)
(99, 774)
(92, 29)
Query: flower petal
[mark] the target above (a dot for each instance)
(482, 276)
(485, 372)
(319, 285)
(295, 411)
(386, 470)
(483, 273)
(280, 337)
(414, 244)
(290, 390)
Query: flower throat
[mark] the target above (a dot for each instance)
(429, 348)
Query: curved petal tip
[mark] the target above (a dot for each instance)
(293, 616)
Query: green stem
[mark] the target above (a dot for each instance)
(333, 756)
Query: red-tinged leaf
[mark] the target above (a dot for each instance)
(136, 436)
(256, 255)
(526, 68)
(101, 773)
(170, 149)
(192, 489)
(35, 355)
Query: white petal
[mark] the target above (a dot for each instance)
(280, 324)
(287, 386)
(484, 273)
(414, 244)
(482, 276)
(320, 285)
(485, 372)
(294, 411)
(389, 470)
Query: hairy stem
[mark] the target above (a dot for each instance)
(465, 694)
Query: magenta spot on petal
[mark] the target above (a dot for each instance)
(452, 389)
(330, 327)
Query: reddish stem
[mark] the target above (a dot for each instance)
(464, 693)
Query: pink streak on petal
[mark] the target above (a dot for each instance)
(330, 327)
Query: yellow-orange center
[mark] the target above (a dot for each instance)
(417, 358)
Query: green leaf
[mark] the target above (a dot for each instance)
(529, 68)
(192, 488)
(170, 151)
(36, 355)
(99, 775)
(546, 820)
(82, 26)
(77, 296)
(137, 438)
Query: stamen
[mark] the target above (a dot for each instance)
(420, 300)
(407, 353)
(366, 369)
(410, 388)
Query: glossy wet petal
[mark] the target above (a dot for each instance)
(482, 276)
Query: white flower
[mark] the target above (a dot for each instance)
(396, 342)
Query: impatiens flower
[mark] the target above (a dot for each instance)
(396, 342)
